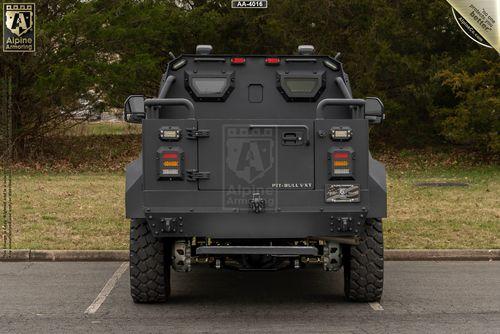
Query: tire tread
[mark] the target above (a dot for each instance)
(364, 265)
(149, 265)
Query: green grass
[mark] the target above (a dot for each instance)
(86, 211)
(103, 128)
(444, 217)
(63, 211)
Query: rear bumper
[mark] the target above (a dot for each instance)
(258, 250)
(229, 209)
(267, 225)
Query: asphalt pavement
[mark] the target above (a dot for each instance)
(93, 297)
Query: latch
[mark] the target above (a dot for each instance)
(292, 138)
(195, 175)
(192, 133)
(257, 203)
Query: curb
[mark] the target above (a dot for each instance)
(442, 255)
(20, 255)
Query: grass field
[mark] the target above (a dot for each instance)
(86, 211)
(103, 128)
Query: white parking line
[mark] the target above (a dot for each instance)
(106, 290)
(376, 306)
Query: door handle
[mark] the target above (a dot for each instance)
(283, 126)
(292, 138)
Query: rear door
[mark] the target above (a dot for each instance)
(261, 154)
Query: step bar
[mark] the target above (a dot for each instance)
(257, 250)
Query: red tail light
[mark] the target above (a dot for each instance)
(341, 155)
(272, 61)
(340, 162)
(238, 60)
(170, 163)
(170, 155)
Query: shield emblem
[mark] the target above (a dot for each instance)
(249, 158)
(19, 21)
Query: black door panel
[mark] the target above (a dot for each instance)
(263, 154)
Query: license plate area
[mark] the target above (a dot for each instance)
(342, 193)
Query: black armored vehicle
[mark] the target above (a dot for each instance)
(255, 162)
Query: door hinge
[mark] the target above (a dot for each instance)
(195, 175)
(192, 133)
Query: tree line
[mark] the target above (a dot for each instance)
(438, 86)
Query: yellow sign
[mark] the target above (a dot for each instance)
(479, 20)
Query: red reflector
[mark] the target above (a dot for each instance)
(238, 60)
(272, 61)
(340, 155)
(170, 155)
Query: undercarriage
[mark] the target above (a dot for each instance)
(246, 255)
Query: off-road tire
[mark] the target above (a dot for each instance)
(149, 265)
(364, 265)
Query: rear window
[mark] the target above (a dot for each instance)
(209, 86)
(301, 86)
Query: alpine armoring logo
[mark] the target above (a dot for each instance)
(249, 152)
(249, 166)
(19, 27)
